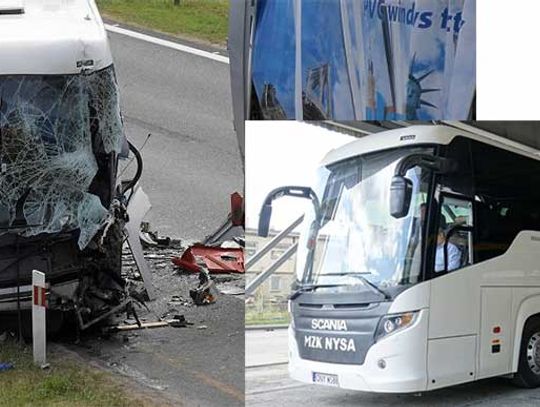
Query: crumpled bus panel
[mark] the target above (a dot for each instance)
(51, 128)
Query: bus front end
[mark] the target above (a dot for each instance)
(336, 340)
(359, 305)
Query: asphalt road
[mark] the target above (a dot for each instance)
(198, 365)
(191, 162)
(267, 380)
(260, 341)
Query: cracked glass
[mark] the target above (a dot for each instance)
(51, 128)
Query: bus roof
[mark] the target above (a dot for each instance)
(415, 135)
(51, 37)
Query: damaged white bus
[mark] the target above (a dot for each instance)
(62, 210)
(419, 265)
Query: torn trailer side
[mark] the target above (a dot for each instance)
(62, 206)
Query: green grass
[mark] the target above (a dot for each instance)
(267, 318)
(65, 384)
(205, 20)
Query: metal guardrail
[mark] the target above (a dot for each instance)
(257, 281)
(273, 243)
(261, 278)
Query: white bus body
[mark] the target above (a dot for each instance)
(477, 321)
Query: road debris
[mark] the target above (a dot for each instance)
(178, 321)
(205, 293)
(232, 291)
(221, 251)
(233, 226)
(138, 207)
(151, 238)
(6, 366)
(216, 259)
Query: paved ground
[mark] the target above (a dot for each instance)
(191, 161)
(258, 344)
(266, 384)
(199, 365)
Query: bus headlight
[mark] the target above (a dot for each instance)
(394, 323)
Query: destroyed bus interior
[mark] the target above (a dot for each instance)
(62, 209)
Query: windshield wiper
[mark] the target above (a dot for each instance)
(365, 280)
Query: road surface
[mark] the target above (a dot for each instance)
(198, 365)
(191, 162)
(260, 341)
(266, 384)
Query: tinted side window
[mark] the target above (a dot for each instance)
(453, 211)
(459, 180)
(507, 198)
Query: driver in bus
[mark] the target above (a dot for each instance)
(454, 254)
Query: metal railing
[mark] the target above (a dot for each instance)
(261, 278)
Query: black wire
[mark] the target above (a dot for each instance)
(138, 174)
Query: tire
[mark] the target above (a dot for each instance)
(528, 374)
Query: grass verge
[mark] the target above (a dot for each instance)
(267, 318)
(205, 20)
(66, 383)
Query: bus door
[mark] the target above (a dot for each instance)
(454, 305)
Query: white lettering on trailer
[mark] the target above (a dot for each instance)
(329, 324)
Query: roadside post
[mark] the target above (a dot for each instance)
(39, 306)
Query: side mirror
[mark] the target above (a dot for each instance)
(297, 192)
(264, 219)
(400, 196)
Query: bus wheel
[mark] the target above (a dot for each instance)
(528, 374)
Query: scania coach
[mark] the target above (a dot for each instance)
(419, 265)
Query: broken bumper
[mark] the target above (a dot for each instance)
(55, 296)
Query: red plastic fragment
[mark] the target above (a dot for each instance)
(217, 259)
(237, 210)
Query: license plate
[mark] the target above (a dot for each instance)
(325, 379)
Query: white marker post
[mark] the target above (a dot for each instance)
(39, 306)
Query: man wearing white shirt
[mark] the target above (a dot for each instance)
(454, 254)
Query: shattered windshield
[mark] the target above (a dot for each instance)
(355, 238)
(51, 127)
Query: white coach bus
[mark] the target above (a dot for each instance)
(419, 265)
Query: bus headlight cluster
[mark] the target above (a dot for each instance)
(394, 323)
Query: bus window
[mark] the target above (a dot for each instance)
(454, 238)
(508, 198)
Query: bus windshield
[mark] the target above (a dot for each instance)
(51, 128)
(354, 240)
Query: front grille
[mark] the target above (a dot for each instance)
(332, 328)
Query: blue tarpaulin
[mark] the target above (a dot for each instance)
(365, 59)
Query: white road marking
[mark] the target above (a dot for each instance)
(168, 44)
